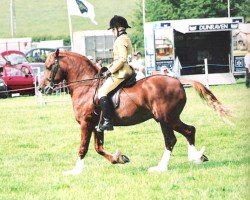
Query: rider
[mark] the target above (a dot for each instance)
(118, 71)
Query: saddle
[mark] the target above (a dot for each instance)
(114, 96)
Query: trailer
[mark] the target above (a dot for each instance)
(98, 43)
(195, 44)
(20, 44)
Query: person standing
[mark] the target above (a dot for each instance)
(118, 71)
(138, 65)
(166, 71)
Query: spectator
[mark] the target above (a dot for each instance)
(138, 65)
(166, 71)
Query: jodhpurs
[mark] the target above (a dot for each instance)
(109, 85)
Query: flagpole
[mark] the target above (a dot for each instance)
(143, 25)
(228, 8)
(70, 28)
(12, 19)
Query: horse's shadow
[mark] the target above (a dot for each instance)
(187, 166)
(209, 165)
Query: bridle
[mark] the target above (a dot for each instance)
(54, 69)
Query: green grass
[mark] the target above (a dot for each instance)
(50, 18)
(38, 143)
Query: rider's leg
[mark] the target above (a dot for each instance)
(107, 114)
(109, 85)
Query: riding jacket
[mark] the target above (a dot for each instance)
(120, 69)
(122, 49)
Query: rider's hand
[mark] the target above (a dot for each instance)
(107, 73)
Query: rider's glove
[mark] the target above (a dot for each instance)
(107, 73)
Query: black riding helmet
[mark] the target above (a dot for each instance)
(118, 21)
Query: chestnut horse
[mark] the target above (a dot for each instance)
(159, 97)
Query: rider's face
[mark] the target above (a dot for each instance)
(114, 30)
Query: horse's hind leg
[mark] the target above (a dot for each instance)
(115, 158)
(170, 141)
(189, 133)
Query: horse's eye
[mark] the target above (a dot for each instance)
(48, 67)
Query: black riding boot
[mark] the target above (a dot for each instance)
(107, 114)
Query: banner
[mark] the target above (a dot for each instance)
(81, 8)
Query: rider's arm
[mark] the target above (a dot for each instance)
(122, 48)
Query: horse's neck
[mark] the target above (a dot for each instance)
(81, 76)
(80, 71)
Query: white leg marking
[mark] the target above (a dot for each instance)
(77, 169)
(163, 164)
(194, 155)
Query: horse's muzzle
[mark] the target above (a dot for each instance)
(46, 90)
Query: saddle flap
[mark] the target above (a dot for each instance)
(115, 95)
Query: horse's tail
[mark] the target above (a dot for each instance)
(209, 97)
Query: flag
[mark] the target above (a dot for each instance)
(81, 8)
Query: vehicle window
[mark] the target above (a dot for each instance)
(15, 58)
(37, 55)
(11, 71)
(45, 53)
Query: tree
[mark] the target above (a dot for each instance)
(157, 10)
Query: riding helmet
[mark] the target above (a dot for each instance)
(118, 21)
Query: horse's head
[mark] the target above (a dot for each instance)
(53, 73)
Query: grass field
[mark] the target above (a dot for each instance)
(38, 143)
(50, 18)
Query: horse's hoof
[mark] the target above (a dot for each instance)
(204, 158)
(124, 159)
(120, 158)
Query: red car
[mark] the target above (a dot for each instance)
(17, 73)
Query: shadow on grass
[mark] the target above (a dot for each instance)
(187, 166)
(209, 164)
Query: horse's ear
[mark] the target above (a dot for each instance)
(57, 53)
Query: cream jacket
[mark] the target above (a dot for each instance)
(121, 50)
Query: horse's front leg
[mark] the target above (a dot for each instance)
(86, 132)
(113, 158)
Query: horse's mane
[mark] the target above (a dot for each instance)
(73, 56)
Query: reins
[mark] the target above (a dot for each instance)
(57, 67)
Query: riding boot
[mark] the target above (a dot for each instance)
(107, 114)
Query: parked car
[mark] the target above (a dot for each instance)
(16, 73)
(40, 54)
(38, 70)
(3, 89)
